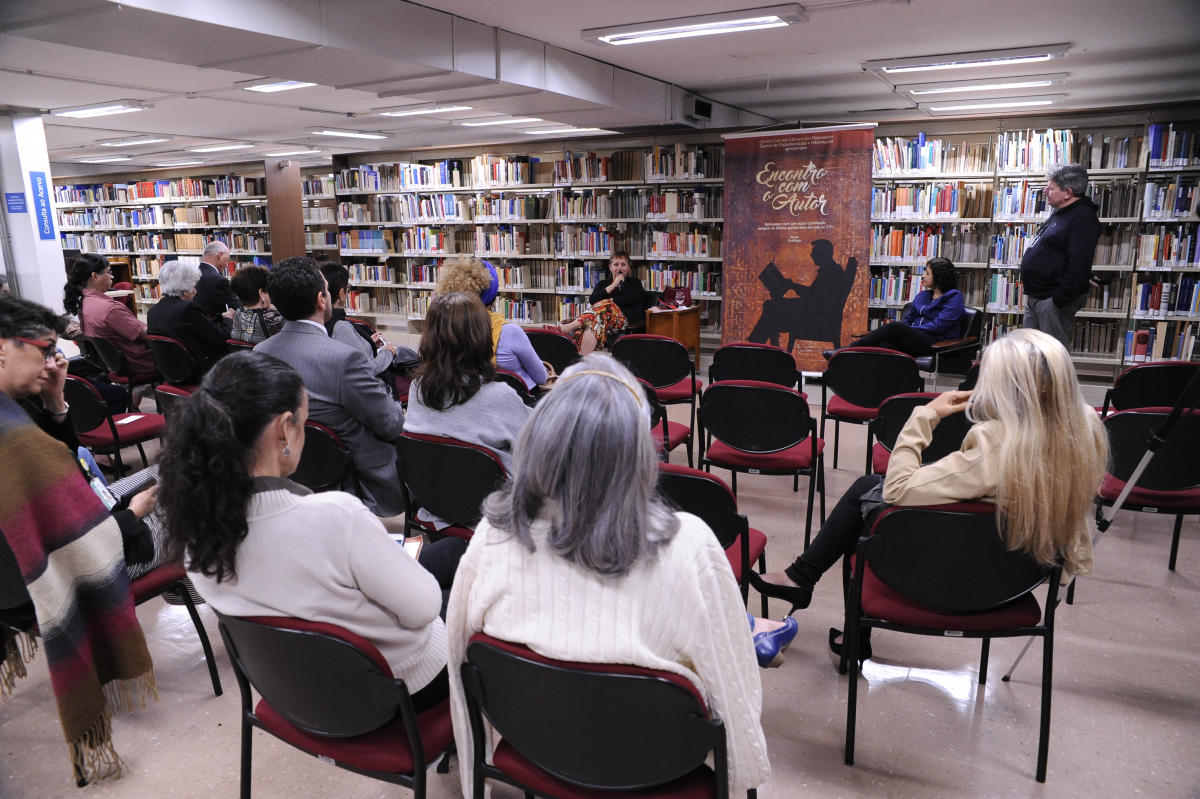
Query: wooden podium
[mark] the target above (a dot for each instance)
(682, 324)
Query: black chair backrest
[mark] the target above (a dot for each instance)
(366, 331)
(89, 352)
(513, 380)
(658, 411)
(659, 360)
(88, 408)
(325, 462)
(704, 495)
(317, 676)
(593, 725)
(1151, 385)
(950, 559)
(169, 399)
(113, 358)
(972, 322)
(447, 477)
(866, 376)
(893, 415)
(553, 347)
(173, 361)
(1175, 465)
(746, 361)
(968, 382)
(754, 416)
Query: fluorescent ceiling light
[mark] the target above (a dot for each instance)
(982, 58)
(564, 131)
(105, 159)
(132, 141)
(348, 134)
(216, 148)
(948, 106)
(294, 152)
(101, 109)
(984, 85)
(278, 86)
(443, 109)
(179, 163)
(512, 121)
(750, 19)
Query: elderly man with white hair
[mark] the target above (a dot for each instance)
(213, 294)
(177, 315)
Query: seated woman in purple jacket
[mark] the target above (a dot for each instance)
(936, 314)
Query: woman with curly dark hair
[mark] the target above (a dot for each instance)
(936, 314)
(100, 316)
(257, 544)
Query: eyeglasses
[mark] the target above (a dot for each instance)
(49, 348)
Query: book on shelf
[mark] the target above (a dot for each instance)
(1173, 146)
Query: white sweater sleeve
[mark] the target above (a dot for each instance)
(458, 630)
(389, 576)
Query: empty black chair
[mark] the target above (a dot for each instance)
(553, 347)
(1158, 384)
(325, 462)
(861, 378)
(665, 364)
(104, 432)
(947, 572)
(743, 360)
(571, 729)
(893, 415)
(330, 693)
(449, 479)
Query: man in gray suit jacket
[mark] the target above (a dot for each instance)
(343, 393)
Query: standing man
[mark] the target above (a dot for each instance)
(1058, 265)
(213, 294)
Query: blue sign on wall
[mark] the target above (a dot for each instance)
(41, 205)
(14, 201)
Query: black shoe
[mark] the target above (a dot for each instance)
(800, 596)
(864, 643)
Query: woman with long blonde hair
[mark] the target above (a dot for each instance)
(1036, 450)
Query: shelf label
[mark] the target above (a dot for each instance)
(14, 202)
(41, 205)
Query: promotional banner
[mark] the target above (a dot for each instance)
(797, 236)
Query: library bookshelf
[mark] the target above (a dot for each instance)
(139, 224)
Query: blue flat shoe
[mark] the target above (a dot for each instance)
(769, 646)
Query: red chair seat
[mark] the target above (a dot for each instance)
(758, 544)
(700, 784)
(881, 456)
(679, 392)
(150, 425)
(153, 582)
(882, 602)
(797, 456)
(677, 433)
(845, 410)
(1188, 500)
(385, 749)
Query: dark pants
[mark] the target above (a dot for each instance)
(433, 694)
(898, 336)
(838, 535)
(440, 558)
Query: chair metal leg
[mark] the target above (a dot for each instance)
(1044, 729)
(733, 481)
(870, 442)
(1175, 541)
(983, 660)
(850, 667)
(808, 511)
(142, 452)
(837, 439)
(821, 486)
(762, 569)
(1071, 592)
(247, 740)
(182, 590)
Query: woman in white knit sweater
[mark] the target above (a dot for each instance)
(578, 559)
(257, 544)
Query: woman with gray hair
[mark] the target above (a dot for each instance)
(579, 559)
(177, 316)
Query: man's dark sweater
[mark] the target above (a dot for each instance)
(1059, 264)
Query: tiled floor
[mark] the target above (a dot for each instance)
(1126, 718)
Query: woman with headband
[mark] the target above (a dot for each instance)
(579, 559)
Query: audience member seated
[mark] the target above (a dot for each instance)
(1037, 450)
(618, 304)
(454, 393)
(177, 316)
(101, 316)
(213, 293)
(513, 351)
(256, 319)
(579, 569)
(68, 549)
(936, 314)
(382, 355)
(344, 393)
(256, 544)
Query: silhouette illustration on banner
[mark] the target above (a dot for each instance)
(815, 313)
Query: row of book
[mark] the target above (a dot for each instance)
(1114, 198)
(223, 187)
(240, 241)
(1032, 150)
(1171, 340)
(959, 243)
(319, 215)
(1167, 297)
(1004, 293)
(897, 155)
(954, 199)
(683, 162)
(699, 242)
(321, 239)
(318, 186)
(512, 240)
(371, 273)
(1172, 146)
(1108, 296)
(701, 279)
(1096, 336)
(1097, 151)
(899, 285)
(1166, 246)
(1021, 199)
(1172, 199)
